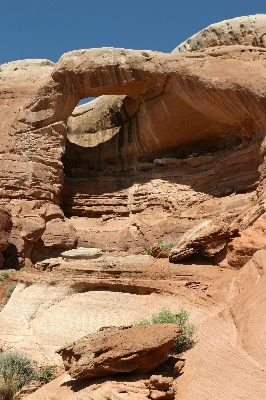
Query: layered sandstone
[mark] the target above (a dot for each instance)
(173, 149)
(30, 162)
(130, 152)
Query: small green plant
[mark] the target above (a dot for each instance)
(46, 374)
(16, 370)
(166, 244)
(4, 275)
(11, 289)
(23, 269)
(146, 252)
(8, 387)
(186, 340)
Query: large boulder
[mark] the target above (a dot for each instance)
(139, 349)
(201, 238)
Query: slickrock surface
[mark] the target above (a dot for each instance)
(173, 145)
(248, 31)
(235, 338)
(136, 349)
(228, 310)
(77, 298)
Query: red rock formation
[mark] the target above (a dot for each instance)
(177, 139)
(136, 349)
(131, 152)
(5, 229)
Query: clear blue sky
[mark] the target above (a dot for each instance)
(49, 28)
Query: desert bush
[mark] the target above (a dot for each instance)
(8, 387)
(46, 374)
(5, 274)
(186, 340)
(146, 252)
(11, 289)
(166, 244)
(16, 370)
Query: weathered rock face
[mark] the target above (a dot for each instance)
(175, 145)
(133, 349)
(248, 31)
(173, 136)
(5, 229)
(157, 387)
(199, 238)
(30, 164)
(240, 239)
(165, 171)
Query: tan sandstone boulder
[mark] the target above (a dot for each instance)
(127, 349)
(201, 237)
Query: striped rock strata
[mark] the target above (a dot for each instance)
(175, 139)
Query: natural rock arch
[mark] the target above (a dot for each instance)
(170, 105)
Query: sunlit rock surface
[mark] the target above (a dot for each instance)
(171, 142)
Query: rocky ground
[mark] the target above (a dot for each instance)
(74, 298)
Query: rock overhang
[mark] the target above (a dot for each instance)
(178, 106)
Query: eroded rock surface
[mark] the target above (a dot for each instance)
(136, 349)
(5, 229)
(199, 239)
(129, 153)
(248, 31)
(174, 142)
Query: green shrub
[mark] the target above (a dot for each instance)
(22, 269)
(186, 340)
(166, 244)
(8, 387)
(146, 252)
(4, 275)
(11, 289)
(16, 370)
(46, 374)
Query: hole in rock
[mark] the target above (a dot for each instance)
(85, 100)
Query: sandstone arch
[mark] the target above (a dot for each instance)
(171, 105)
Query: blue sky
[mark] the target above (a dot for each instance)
(49, 28)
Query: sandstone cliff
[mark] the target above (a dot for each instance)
(174, 135)
(172, 148)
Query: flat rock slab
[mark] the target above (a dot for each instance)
(82, 253)
(126, 349)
